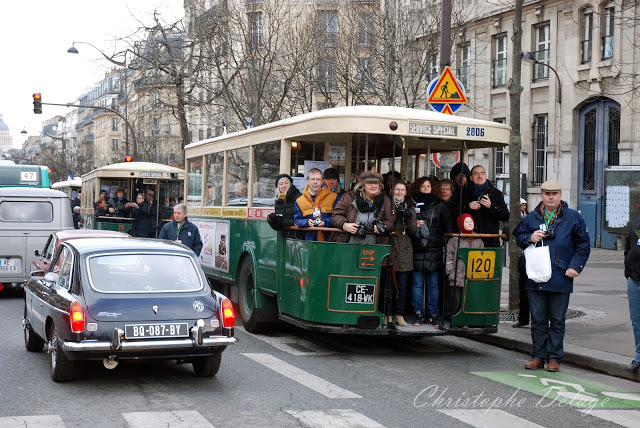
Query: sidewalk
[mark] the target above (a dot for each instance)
(598, 335)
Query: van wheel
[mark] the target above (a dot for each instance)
(246, 297)
(32, 341)
(61, 366)
(207, 366)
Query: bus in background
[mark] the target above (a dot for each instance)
(70, 187)
(325, 286)
(166, 182)
(12, 175)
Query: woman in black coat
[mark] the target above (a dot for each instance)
(433, 222)
(286, 195)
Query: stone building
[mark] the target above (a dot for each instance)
(6, 140)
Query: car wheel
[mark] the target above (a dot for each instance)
(246, 297)
(207, 366)
(32, 341)
(61, 366)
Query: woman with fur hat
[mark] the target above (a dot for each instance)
(286, 195)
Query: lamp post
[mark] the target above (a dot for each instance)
(123, 64)
(530, 58)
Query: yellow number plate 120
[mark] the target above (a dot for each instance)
(481, 264)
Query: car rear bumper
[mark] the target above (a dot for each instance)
(147, 345)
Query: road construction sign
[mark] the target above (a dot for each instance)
(446, 93)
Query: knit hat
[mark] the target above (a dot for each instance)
(523, 201)
(456, 170)
(287, 176)
(461, 220)
(331, 173)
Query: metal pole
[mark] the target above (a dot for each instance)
(445, 35)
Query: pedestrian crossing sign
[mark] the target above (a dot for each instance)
(447, 90)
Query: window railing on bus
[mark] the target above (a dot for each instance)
(194, 182)
(215, 173)
(266, 168)
(607, 47)
(586, 47)
(541, 71)
(499, 72)
(237, 176)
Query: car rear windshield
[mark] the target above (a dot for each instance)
(143, 273)
(26, 212)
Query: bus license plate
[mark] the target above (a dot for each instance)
(360, 293)
(481, 264)
(10, 265)
(150, 331)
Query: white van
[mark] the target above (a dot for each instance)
(27, 217)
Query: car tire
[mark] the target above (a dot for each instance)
(61, 367)
(246, 297)
(32, 341)
(207, 366)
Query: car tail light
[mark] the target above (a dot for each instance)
(228, 317)
(77, 317)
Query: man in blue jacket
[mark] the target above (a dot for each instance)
(565, 233)
(181, 230)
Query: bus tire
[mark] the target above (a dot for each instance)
(246, 296)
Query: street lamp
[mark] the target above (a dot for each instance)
(530, 58)
(73, 50)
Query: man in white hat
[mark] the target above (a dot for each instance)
(564, 231)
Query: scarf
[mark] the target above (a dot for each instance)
(365, 206)
(425, 198)
(477, 190)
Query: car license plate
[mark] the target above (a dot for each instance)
(148, 331)
(10, 265)
(360, 293)
(481, 264)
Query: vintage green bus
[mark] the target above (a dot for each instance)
(12, 175)
(324, 286)
(70, 187)
(167, 183)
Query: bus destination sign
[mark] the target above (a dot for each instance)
(151, 174)
(433, 129)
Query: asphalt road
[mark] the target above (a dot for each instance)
(296, 378)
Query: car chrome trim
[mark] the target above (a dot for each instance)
(116, 339)
(147, 345)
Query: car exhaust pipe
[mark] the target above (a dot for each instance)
(111, 362)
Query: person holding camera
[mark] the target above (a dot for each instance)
(428, 242)
(314, 207)
(564, 231)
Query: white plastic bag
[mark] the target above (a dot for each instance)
(538, 263)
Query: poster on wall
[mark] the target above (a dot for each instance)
(215, 245)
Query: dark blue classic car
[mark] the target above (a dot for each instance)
(114, 299)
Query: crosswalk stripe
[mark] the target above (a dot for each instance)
(489, 418)
(291, 344)
(40, 421)
(175, 419)
(334, 418)
(313, 382)
(625, 418)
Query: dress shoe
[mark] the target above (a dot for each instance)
(400, 321)
(634, 366)
(534, 364)
(553, 366)
(520, 324)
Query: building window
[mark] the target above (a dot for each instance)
(498, 154)
(365, 74)
(607, 28)
(156, 127)
(327, 76)
(255, 31)
(541, 71)
(114, 144)
(114, 124)
(433, 66)
(586, 45)
(613, 157)
(539, 143)
(328, 25)
(500, 60)
(365, 30)
(156, 100)
(464, 61)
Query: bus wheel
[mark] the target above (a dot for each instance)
(246, 296)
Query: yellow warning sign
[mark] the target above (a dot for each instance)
(447, 90)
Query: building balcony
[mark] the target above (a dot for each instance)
(87, 138)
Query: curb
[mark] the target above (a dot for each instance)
(591, 359)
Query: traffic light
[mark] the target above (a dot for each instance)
(128, 159)
(37, 103)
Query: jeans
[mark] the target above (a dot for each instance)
(417, 291)
(633, 292)
(402, 280)
(548, 314)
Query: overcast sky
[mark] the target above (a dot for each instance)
(35, 36)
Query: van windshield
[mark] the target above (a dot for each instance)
(26, 212)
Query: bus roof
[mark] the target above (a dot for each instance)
(76, 182)
(140, 169)
(418, 127)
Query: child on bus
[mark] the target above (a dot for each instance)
(466, 224)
